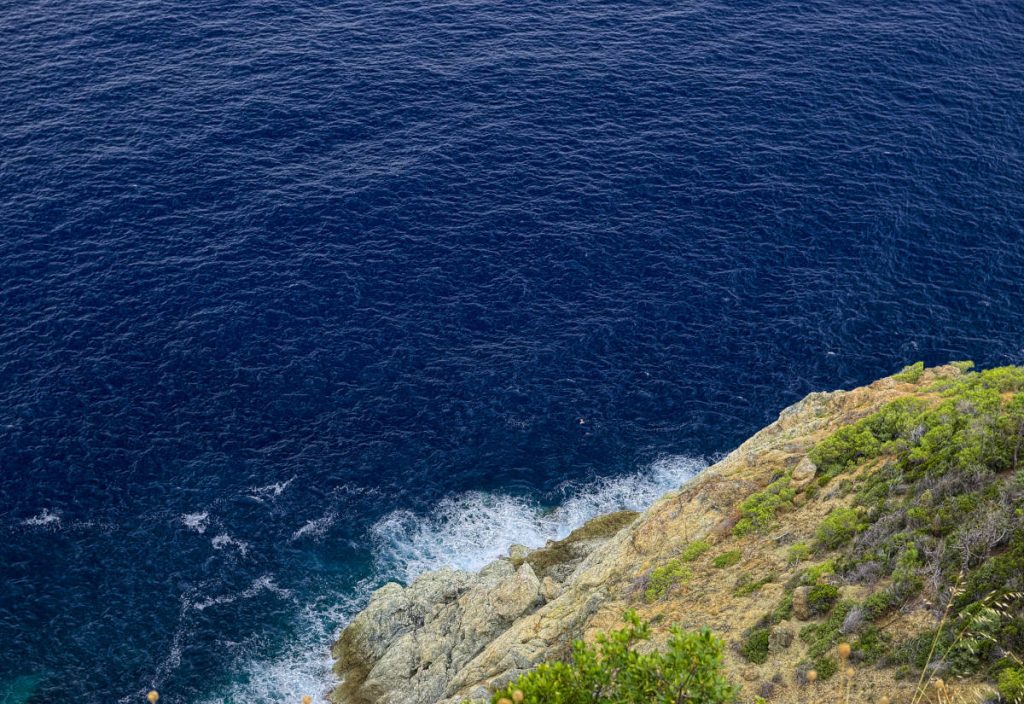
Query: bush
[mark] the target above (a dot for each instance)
(826, 667)
(867, 438)
(880, 603)
(758, 510)
(815, 573)
(821, 597)
(694, 550)
(690, 670)
(822, 638)
(798, 553)
(755, 646)
(838, 528)
(747, 585)
(910, 373)
(1011, 685)
(664, 578)
(727, 559)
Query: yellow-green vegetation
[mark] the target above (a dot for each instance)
(664, 578)
(815, 573)
(931, 506)
(838, 528)
(727, 559)
(821, 597)
(757, 512)
(910, 373)
(798, 552)
(1011, 684)
(612, 670)
(694, 550)
(822, 639)
(747, 584)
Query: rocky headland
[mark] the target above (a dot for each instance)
(856, 517)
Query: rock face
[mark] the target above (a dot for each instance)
(452, 636)
(801, 607)
(409, 644)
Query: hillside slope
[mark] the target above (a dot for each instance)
(855, 517)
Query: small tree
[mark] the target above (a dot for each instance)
(689, 671)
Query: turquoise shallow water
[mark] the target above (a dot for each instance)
(301, 297)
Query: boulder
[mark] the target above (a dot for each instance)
(803, 474)
(801, 607)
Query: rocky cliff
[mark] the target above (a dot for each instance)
(781, 549)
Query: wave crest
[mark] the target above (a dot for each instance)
(468, 531)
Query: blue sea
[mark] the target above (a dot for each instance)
(300, 297)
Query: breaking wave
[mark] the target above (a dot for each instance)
(469, 530)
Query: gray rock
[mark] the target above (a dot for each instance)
(803, 474)
(550, 589)
(801, 608)
(408, 643)
(779, 638)
(518, 553)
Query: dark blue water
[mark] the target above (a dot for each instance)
(299, 297)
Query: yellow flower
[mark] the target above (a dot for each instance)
(517, 696)
(812, 675)
(844, 650)
(504, 700)
(306, 699)
(850, 672)
(885, 700)
(153, 696)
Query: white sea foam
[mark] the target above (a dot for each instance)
(305, 668)
(465, 532)
(224, 540)
(316, 528)
(45, 519)
(261, 584)
(196, 521)
(270, 491)
(468, 531)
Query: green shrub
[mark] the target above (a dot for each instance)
(727, 559)
(755, 646)
(747, 585)
(910, 373)
(664, 578)
(1011, 685)
(798, 552)
(821, 597)
(866, 438)
(822, 638)
(612, 671)
(838, 528)
(826, 667)
(758, 510)
(694, 550)
(872, 645)
(783, 610)
(815, 573)
(880, 603)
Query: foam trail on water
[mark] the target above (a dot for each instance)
(316, 528)
(468, 531)
(44, 519)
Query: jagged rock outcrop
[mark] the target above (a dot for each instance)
(413, 642)
(452, 636)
